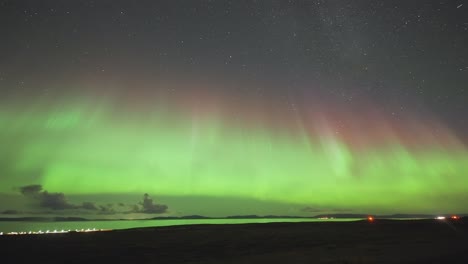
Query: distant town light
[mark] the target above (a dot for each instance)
(440, 218)
(53, 232)
(370, 218)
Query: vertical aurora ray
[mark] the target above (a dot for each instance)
(89, 146)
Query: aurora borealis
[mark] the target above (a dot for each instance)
(333, 141)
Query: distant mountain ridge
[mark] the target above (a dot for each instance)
(329, 216)
(376, 216)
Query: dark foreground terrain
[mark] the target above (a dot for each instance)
(384, 241)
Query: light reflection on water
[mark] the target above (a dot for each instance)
(26, 226)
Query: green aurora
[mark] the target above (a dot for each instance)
(89, 146)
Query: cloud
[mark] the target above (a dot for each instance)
(149, 207)
(107, 209)
(31, 190)
(54, 201)
(57, 201)
(11, 212)
(89, 206)
(135, 209)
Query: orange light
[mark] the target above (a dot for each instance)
(454, 217)
(370, 218)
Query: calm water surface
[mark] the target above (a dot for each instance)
(126, 224)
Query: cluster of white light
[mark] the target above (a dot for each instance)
(40, 232)
(453, 217)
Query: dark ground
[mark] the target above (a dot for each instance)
(383, 241)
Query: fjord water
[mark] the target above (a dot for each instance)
(26, 226)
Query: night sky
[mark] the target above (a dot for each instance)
(233, 107)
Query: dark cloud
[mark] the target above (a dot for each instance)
(89, 206)
(54, 201)
(31, 190)
(135, 209)
(149, 207)
(58, 201)
(11, 212)
(107, 209)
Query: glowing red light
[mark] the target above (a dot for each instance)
(370, 218)
(454, 217)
